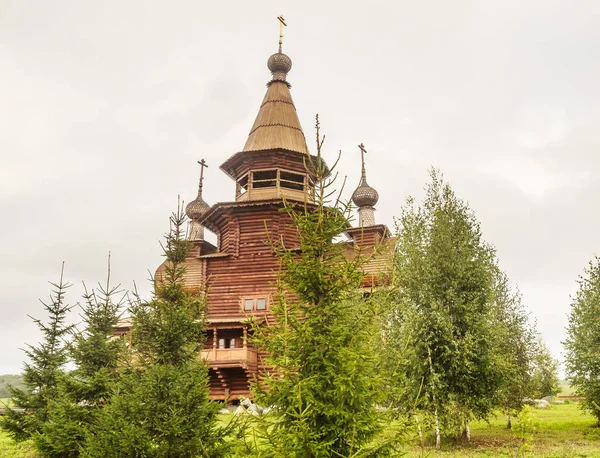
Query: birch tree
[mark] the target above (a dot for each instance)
(516, 348)
(441, 320)
(583, 340)
(545, 381)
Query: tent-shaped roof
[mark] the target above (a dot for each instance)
(277, 125)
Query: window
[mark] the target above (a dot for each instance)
(258, 303)
(226, 343)
(243, 185)
(248, 305)
(264, 179)
(291, 180)
(271, 178)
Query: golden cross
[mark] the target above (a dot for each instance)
(281, 24)
(202, 165)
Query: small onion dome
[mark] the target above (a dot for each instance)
(197, 208)
(280, 65)
(365, 195)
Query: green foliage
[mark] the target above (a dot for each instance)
(545, 381)
(160, 405)
(43, 371)
(84, 391)
(11, 449)
(10, 380)
(160, 411)
(583, 340)
(562, 432)
(517, 348)
(526, 427)
(322, 344)
(442, 351)
(170, 328)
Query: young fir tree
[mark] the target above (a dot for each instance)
(441, 325)
(97, 355)
(583, 340)
(160, 406)
(322, 345)
(42, 372)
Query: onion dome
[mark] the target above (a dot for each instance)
(279, 65)
(365, 195)
(197, 208)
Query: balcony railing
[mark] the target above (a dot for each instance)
(230, 357)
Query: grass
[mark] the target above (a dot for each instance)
(563, 431)
(8, 449)
(566, 389)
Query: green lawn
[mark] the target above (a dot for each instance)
(565, 388)
(8, 449)
(563, 431)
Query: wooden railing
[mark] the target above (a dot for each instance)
(230, 357)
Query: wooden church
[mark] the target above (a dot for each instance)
(239, 273)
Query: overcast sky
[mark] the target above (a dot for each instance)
(107, 105)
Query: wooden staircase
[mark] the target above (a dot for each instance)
(228, 384)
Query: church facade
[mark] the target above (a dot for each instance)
(239, 273)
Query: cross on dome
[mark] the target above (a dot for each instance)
(364, 196)
(197, 208)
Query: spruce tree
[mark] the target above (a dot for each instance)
(84, 391)
(322, 378)
(160, 406)
(42, 372)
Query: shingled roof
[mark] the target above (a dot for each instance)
(277, 125)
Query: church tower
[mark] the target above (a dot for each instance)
(272, 164)
(238, 276)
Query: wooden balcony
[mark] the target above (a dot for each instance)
(231, 357)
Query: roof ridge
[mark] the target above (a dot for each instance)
(278, 100)
(277, 124)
